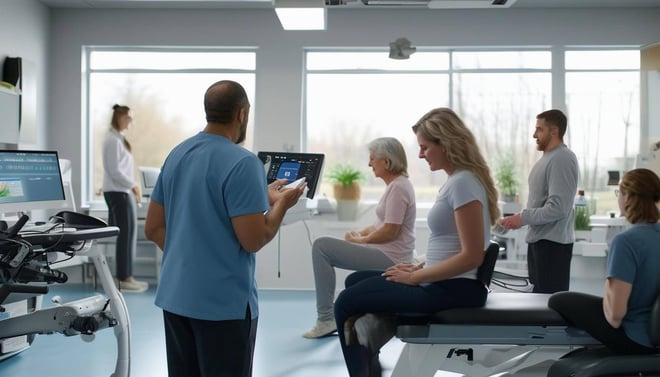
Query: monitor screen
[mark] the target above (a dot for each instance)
(148, 178)
(293, 166)
(30, 180)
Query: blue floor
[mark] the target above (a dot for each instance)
(281, 351)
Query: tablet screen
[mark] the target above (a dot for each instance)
(293, 166)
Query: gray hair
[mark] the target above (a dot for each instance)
(391, 150)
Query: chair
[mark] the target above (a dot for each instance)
(485, 271)
(601, 361)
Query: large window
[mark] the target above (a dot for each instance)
(602, 97)
(164, 89)
(351, 97)
(354, 97)
(499, 94)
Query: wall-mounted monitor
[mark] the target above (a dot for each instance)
(294, 166)
(148, 178)
(30, 180)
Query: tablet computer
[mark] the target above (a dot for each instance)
(293, 166)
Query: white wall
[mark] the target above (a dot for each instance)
(24, 32)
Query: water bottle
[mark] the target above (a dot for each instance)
(581, 212)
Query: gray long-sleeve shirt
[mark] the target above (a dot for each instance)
(552, 188)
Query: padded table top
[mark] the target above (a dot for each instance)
(502, 308)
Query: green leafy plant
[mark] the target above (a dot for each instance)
(506, 176)
(582, 218)
(345, 174)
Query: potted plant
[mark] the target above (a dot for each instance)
(347, 191)
(506, 178)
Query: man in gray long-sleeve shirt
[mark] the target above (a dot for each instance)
(549, 213)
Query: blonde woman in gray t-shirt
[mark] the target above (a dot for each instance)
(460, 221)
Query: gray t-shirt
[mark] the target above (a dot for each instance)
(552, 188)
(461, 188)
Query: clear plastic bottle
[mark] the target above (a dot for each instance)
(581, 212)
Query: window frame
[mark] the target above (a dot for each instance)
(87, 190)
(450, 71)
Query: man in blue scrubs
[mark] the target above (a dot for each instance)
(210, 212)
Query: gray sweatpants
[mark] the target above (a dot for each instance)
(328, 253)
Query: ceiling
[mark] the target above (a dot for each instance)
(350, 4)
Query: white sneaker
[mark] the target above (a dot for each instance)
(133, 286)
(321, 329)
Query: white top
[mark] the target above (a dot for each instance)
(118, 164)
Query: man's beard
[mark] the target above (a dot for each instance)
(241, 137)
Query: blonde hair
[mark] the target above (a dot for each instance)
(443, 127)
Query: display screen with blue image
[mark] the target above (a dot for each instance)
(288, 170)
(292, 166)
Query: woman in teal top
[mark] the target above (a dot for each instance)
(620, 320)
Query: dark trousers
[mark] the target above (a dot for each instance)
(199, 348)
(585, 311)
(123, 214)
(549, 266)
(368, 292)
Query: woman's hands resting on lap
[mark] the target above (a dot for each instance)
(402, 273)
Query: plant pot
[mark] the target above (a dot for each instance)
(348, 199)
(349, 192)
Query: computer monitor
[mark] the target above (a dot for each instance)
(148, 178)
(293, 166)
(30, 180)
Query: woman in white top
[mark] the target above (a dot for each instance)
(121, 194)
(460, 222)
(390, 240)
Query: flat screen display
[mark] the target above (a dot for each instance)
(294, 166)
(30, 180)
(148, 178)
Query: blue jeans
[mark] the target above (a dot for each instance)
(369, 292)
